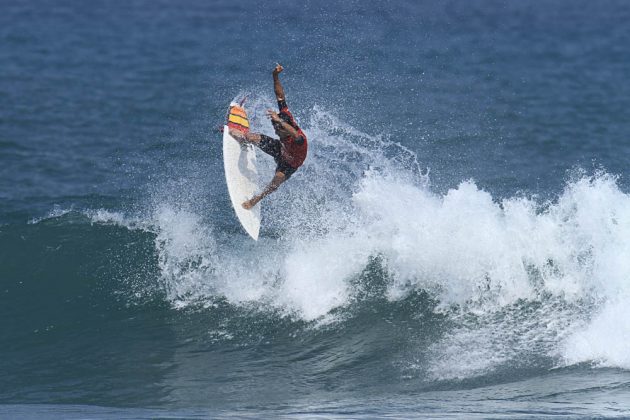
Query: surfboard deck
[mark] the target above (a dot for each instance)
(241, 175)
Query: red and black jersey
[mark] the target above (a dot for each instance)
(294, 149)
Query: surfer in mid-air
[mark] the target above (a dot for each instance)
(289, 151)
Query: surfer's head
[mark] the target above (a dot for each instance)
(283, 130)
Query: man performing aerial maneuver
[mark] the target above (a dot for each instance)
(289, 152)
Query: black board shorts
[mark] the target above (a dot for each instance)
(273, 148)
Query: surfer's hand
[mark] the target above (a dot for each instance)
(278, 69)
(273, 115)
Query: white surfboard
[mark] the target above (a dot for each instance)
(241, 175)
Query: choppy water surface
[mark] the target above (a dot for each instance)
(456, 244)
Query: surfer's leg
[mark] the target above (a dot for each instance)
(241, 137)
(278, 179)
(270, 146)
(285, 168)
(253, 138)
(237, 135)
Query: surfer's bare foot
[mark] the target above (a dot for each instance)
(237, 135)
(278, 69)
(248, 205)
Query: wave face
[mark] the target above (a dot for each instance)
(364, 276)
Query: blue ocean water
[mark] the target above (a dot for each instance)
(455, 246)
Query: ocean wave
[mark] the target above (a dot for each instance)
(516, 277)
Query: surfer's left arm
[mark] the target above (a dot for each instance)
(277, 180)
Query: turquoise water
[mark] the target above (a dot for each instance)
(455, 246)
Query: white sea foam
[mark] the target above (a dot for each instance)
(360, 196)
(187, 253)
(102, 216)
(605, 341)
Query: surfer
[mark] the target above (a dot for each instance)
(289, 151)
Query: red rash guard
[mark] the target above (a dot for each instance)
(294, 149)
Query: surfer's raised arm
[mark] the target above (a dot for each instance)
(277, 86)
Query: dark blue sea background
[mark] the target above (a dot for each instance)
(457, 244)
